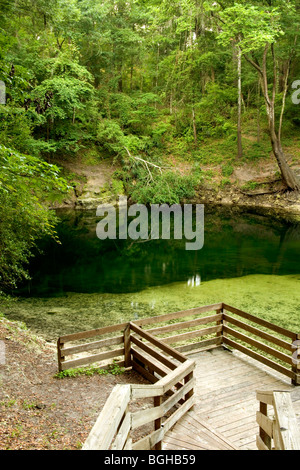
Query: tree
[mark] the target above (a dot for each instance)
(27, 184)
(59, 98)
(259, 28)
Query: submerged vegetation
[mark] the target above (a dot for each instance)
(271, 297)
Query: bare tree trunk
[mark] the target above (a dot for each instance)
(194, 128)
(258, 112)
(287, 173)
(239, 123)
(288, 176)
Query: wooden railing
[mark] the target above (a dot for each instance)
(171, 395)
(78, 351)
(274, 346)
(119, 347)
(278, 430)
(148, 350)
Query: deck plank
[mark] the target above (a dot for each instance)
(191, 433)
(224, 414)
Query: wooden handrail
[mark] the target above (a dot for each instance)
(278, 329)
(176, 375)
(65, 350)
(113, 426)
(253, 342)
(185, 324)
(176, 315)
(156, 342)
(214, 336)
(281, 431)
(281, 358)
(109, 420)
(256, 331)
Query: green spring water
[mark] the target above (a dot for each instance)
(247, 261)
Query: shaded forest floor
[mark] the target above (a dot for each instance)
(39, 411)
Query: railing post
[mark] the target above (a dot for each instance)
(127, 346)
(186, 380)
(60, 357)
(157, 422)
(263, 408)
(296, 360)
(220, 322)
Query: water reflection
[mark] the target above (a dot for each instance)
(194, 281)
(235, 245)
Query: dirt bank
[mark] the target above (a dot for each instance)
(279, 204)
(254, 186)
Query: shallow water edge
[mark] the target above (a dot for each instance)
(275, 298)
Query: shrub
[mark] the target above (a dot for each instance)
(113, 369)
(227, 169)
(167, 188)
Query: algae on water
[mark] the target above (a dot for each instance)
(274, 298)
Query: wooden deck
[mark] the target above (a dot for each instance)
(200, 395)
(224, 414)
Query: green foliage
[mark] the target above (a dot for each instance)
(15, 128)
(116, 187)
(130, 74)
(26, 186)
(113, 369)
(28, 405)
(60, 102)
(168, 187)
(9, 402)
(250, 25)
(250, 185)
(225, 182)
(142, 82)
(111, 136)
(227, 169)
(257, 150)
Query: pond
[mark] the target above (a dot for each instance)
(247, 260)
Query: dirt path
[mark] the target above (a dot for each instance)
(39, 411)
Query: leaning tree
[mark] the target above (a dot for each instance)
(267, 37)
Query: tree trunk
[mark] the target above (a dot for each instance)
(288, 175)
(171, 103)
(194, 128)
(239, 123)
(289, 178)
(258, 113)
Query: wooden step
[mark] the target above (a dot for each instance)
(193, 433)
